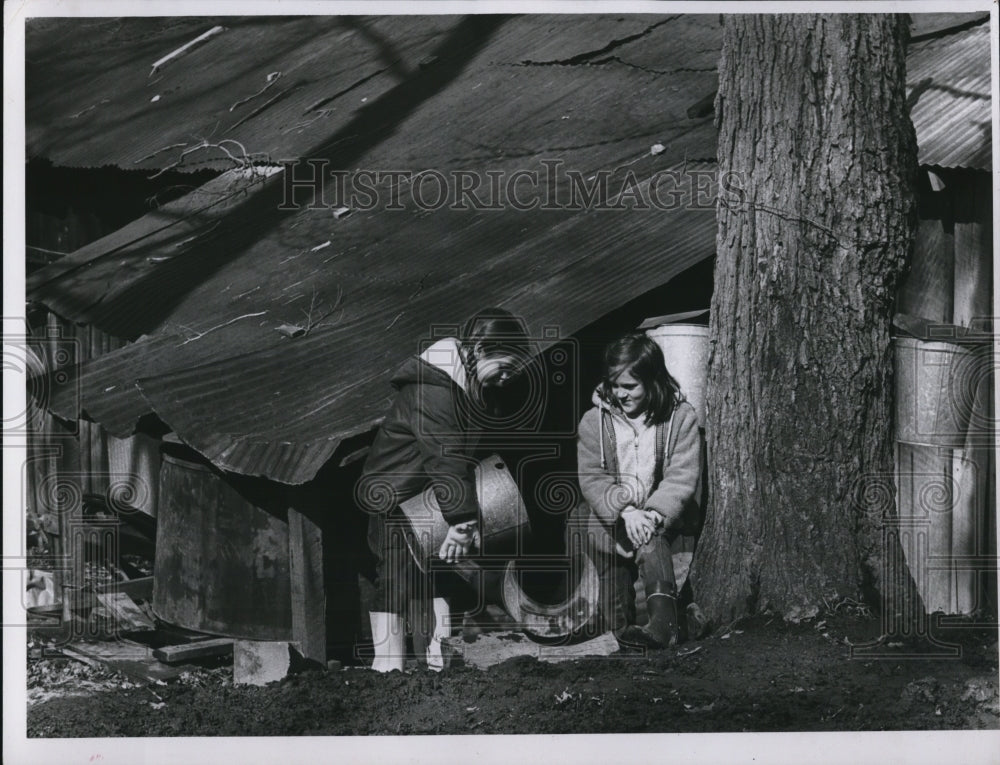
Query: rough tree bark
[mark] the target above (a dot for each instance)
(813, 127)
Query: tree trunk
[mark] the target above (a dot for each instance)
(814, 130)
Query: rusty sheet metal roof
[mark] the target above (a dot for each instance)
(255, 401)
(210, 292)
(948, 80)
(279, 87)
(272, 85)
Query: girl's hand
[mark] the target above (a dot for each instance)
(656, 519)
(461, 538)
(638, 526)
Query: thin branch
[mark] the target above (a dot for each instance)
(246, 162)
(157, 65)
(312, 305)
(179, 161)
(313, 323)
(272, 78)
(220, 326)
(89, 108)
(246, 157)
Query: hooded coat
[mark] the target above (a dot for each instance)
(675, 495)
(428, 436)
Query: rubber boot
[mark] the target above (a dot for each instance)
(661, 604)
(661, 631)
(389, 636)
(442, 629)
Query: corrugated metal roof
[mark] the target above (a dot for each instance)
(210, 291)
(90, 95)
(255, 401)
(281, 86)
(924, 25)
(92, 98)
(948, 82)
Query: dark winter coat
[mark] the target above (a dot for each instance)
(428, 437)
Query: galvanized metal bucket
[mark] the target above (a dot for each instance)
(503, 513)
(944, 468)
(685, 349)
(941, 392)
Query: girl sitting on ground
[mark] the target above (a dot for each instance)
(639, 461)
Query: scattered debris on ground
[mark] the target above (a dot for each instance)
(767, 676)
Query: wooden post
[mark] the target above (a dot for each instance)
(305, 553)
(201, 649)
(973, 279)
(973, 247)
(928, 290)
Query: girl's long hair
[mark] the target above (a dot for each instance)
(494, 330)
(497, 330)
(640, 356)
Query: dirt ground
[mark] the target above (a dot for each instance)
(761, 675)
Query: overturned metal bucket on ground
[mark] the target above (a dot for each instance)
(556, 620)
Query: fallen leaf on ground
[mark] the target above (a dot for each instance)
(697, 710)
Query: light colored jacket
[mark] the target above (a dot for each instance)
(675, 496)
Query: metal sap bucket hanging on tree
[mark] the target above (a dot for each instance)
(685, 349)
(944, 412)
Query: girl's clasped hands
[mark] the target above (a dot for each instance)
(640, 525)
